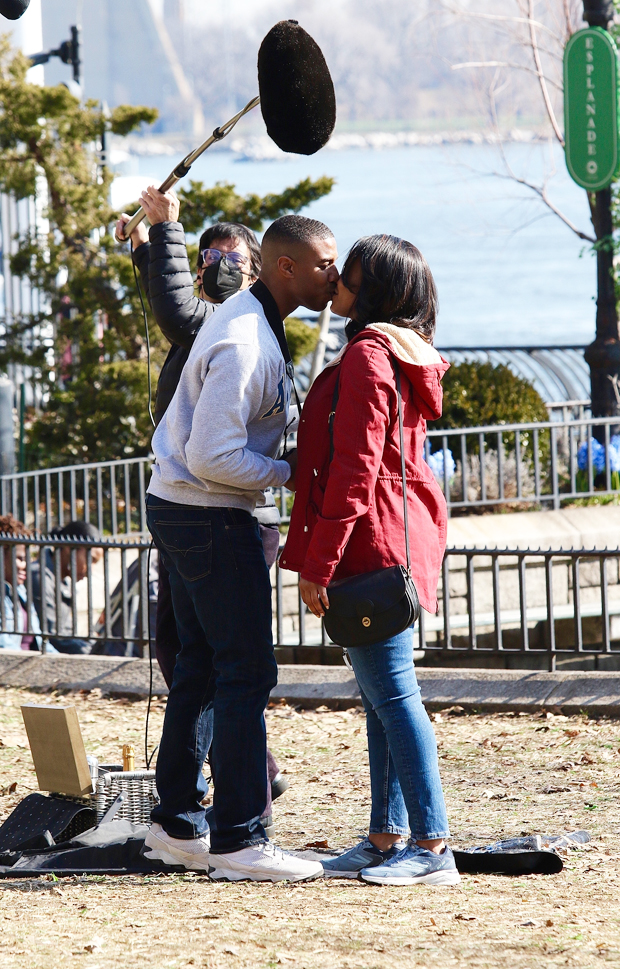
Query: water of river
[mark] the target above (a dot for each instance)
(508, 272)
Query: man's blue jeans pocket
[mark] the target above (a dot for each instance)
(188, 544)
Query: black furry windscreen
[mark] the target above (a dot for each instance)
(297, 96)
(13, 9)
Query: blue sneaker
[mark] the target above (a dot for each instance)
(414, 866)
(363, 856)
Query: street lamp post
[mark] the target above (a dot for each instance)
(603, 356)
(68, 52)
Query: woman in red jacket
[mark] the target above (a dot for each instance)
(348, 519)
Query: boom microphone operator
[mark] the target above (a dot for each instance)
(13, 9)
(297, 101)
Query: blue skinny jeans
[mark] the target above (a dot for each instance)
(404, 770)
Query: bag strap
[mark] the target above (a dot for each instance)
(403, 469)
(401, 436)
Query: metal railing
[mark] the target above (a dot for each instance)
(542, 463)
(110, 494)
(569, 410)
(78, 596)
(492, 602)
(505, 602)
(535, 464)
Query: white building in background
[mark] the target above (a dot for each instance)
(128, 56)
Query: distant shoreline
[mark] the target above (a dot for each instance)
(261, 148)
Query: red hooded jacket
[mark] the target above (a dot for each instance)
(347, 518)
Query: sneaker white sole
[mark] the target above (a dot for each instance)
(161, 852)
(238, 875)
(437, 878)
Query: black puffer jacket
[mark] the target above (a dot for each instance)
(168, 283)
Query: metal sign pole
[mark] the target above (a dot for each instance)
(591, 116)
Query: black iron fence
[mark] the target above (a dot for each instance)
(110, 494)
(540, 464)
(497, 602)
(100, 597)
(76, 596)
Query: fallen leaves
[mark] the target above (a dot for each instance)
(95, 945)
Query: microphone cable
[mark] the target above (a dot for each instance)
(148, 760)
(146, 336)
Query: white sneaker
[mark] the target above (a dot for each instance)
(192, 854)
(263, 862)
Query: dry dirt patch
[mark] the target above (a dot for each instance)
(503, 775)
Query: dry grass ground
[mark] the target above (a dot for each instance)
(503, 775)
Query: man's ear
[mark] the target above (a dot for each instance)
(286, 266)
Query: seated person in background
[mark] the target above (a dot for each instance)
(17, 615)
(60, 627)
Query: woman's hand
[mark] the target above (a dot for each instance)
(315, 597)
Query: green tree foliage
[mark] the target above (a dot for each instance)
(480, 393)
(221, 203)
(300, 337)
(477, 394)
(87, 343)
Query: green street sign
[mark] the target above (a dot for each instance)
(591, 108)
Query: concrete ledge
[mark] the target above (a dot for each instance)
(591, 692)
(111, 674)
(590, 527)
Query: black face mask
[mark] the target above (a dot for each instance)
(219, 281)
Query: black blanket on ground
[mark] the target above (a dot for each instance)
(36, 839)
(115, 849)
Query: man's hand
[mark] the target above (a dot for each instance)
(138, 236)
(315, 597)
(160, 206)
(291, 459)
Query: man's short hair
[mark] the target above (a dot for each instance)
(236, 231)
(85, 531)
(295, 230)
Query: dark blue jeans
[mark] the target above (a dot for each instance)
(223, 675)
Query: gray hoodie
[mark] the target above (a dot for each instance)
(216, 444)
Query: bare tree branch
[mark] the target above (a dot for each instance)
(539, 190)
(501, 17)
(569, 24)
(541, 76)
(514, 67)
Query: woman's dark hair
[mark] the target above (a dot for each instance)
(231, 230)
(397, 285)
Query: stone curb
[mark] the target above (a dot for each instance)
(594, 693)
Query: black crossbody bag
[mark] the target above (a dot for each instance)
(368, 608)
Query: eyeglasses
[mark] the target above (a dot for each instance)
(234, 260)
